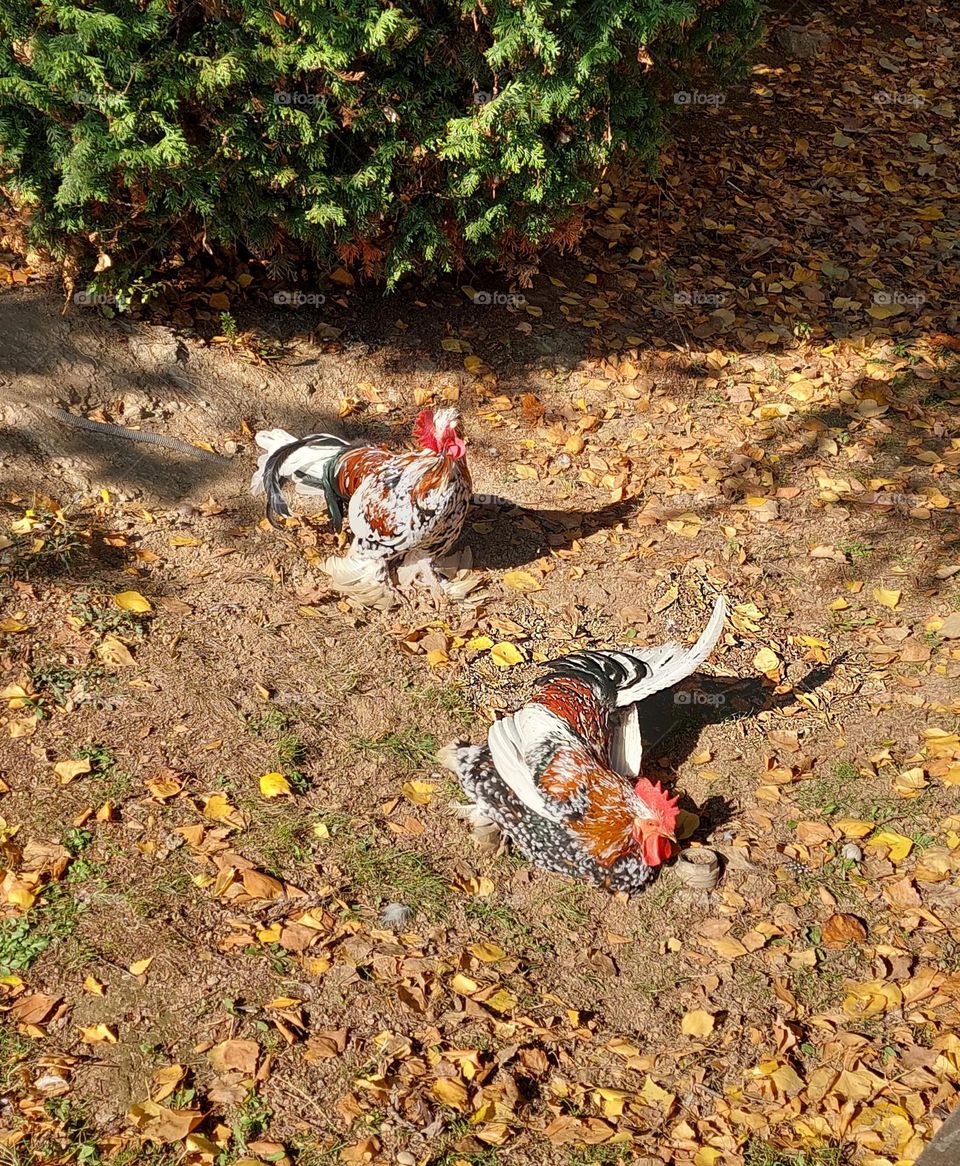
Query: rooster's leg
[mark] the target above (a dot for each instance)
(421, 573)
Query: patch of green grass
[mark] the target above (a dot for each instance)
(14, 1049)
(570, 906)
(760, 1153)
(77, 840)
(410, 748)
(284, 837)
(515, 935)
(101, 614)
(55, 681)
(101, 759)
(61, 543)
(384, 873)
(845, 771)
(855, 551)
(249, 1122)
(450, 699)
(52, 919)
(289, 752)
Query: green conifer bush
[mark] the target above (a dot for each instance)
(392, 136)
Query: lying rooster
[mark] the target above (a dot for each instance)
(405, 510)
(560, 777)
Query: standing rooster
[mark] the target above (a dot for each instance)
(405, 509)
(559, 777)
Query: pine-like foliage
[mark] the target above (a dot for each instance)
(392, 135)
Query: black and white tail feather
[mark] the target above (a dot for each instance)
(308, 462)
(624, 677)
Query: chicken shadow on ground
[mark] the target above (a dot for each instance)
(674, 721)
(525, 533)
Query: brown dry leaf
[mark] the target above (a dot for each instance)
(361, 1152)
(68, 771)
(160, 1124)
(34, 1009)
(839, 930)
(113, 651)
(235, 1056)
(326, 1044)
(261, 886)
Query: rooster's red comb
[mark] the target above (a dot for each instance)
(424, 430)
(654, 796)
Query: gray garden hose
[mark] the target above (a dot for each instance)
(130, 434)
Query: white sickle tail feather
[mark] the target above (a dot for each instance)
(669, 664)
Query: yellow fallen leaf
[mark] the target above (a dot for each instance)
(767, 661)
(886, 598)
(133, 601)
(505, 654)
(66, 771)
(98, 1034)
(138, 967)
(450, 1092)
(502, 1001)
(185, 540)
(697, 1023)
(489, 953)
(274, 785)
(11, 627)
(654, 1094)
(854, 827)
(463, 985)
(898, 845)
(707, 1156)
(113, 651)
(611, 1101)
(92, 984)
(16, 892)
(479, 643)
(521, 581)
(217, 807)
(418, 792)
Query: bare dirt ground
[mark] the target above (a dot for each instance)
(746, 381)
